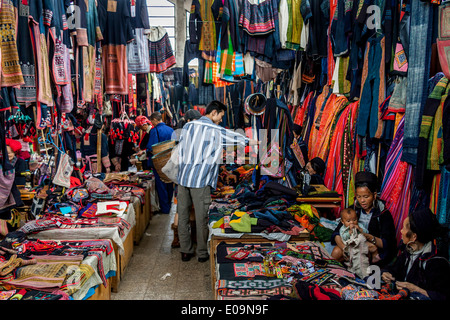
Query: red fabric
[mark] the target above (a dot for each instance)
(141, 120)
(15, 145)
(74, 182)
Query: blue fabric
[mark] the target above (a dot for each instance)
(368, 110)
(165, 193)
(418, 73)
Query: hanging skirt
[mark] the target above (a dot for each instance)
(258, 18)
(160, 50)
(115, 69)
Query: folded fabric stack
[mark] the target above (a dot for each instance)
(277, 271)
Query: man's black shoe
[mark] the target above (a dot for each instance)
(204, 259)
(186, 256)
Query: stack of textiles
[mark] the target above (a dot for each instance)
(260, 271)
(50, 270)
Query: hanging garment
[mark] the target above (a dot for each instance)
(160, 50)
(257, 17)
(137, 50)
(37, 31)
(295, 25)
(418, 74)
(115, 25)
(58, 41)
(11, 73)
(429, 149)
(372, 94)
(204, 24)
(86, 35)
(396, 185)
(26, 93)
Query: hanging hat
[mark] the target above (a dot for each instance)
(319, 165)
(192, 114)
(15, 145)
(423, 222)
(255, 104)
(367, 177)
(141, 120)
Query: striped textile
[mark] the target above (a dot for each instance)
(48, 272)
(258, 18)
(341, 153)
(160, 50)
(200, 152)
(443, 205)
(396, 185)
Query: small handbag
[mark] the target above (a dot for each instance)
(270, 163)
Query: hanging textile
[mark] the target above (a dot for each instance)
(26, 93)
(137, 50)
(430, 144)
(418, 74)
(161, 53)
(396, 185)
(86, 38)
(11, 73)
(115, 25)
(372, 94)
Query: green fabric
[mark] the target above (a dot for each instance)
(435, 145)
(242, 222)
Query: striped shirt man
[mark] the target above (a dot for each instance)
(201, 152)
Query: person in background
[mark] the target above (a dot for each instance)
(316, 168)
(144, 124)
(159, 133)
(419, 268)
(13, 147)
(189, 116)
(88, 148)
(374, 217)
(200, 152)
(297, 130)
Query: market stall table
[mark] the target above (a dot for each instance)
(247, 238)
(259, 270)
(122, 244)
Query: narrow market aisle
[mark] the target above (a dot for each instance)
(156, 272)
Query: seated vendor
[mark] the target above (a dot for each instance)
(418, 267)
(316, 168)
(20, 165)
(374, 217)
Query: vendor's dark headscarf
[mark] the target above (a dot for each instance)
(318, 165)
(366, 179)
(297, 129)
(424, 224)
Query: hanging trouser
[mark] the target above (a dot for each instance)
(165, 193)
(371, 97)
(201, 199)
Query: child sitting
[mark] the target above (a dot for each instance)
(357, 250)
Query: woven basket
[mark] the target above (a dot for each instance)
(161, 146)
(159, 161)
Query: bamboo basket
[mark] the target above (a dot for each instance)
(159, 161)
(161, 146)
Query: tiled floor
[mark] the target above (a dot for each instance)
(156, 272)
